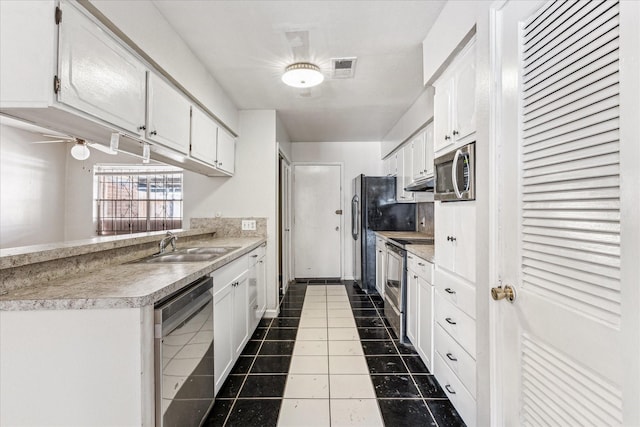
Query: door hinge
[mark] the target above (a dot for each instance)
(56, 84)
(58, 15)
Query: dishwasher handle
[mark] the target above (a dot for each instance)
(183, 306)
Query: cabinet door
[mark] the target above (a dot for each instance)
(226, 153)
(428, 150)
(403, 178)
(464, 106)
(425, 322)
(412, 307)
(261, 275)
(393, 164)
(97, 75)
(222, 345)
(444, 232)
(442, 114)
(168, 115)
(240, 325)
(465, 240)
(204, 133)
(418, 170)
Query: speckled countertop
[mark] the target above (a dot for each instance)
(426, 252)
(123, 285)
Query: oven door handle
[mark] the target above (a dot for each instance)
(185, 313)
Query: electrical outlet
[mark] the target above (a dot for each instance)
(248, 224)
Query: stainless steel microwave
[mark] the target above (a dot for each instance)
(455, 174)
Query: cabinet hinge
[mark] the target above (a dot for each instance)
(56, 84)
(58, 15)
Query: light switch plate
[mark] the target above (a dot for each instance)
(248, 224)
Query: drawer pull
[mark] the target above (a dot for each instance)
(449, 389)
(449, 321)
(449, 291)
(450, 357)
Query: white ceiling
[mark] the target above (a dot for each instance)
(243, 44)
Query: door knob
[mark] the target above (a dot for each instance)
(508, 293)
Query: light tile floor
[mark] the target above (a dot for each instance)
(333, 386)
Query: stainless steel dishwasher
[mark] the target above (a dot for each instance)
(184, 372)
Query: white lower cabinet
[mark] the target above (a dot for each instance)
(239, 298)
(419, 308)
(455, 341)
(230, 316)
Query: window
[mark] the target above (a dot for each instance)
(137, 198)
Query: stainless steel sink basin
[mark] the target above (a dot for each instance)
(199, 254)
(210, 250)
(180, 257)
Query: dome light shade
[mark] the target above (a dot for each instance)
(302, 75)
(80, 151)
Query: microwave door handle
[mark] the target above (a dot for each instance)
(454, 174)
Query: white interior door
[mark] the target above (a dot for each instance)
(317, 223)
(558, 348)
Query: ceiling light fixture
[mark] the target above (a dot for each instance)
(80, 151)
(302, 75)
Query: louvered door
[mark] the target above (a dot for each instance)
(559, 215)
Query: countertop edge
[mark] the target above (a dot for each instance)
(7, 303)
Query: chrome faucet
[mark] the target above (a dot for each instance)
(169, 238)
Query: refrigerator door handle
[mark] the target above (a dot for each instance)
(355, 218)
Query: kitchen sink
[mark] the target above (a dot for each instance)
(210, 250)
(188, 255)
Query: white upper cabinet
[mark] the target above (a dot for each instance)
(404, 175)
(423, 154)
(97, 75)
(391, 165)
(454, 101)
(204, 136)
(168, 115)
(226, 152)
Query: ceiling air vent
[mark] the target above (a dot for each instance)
(343, 68)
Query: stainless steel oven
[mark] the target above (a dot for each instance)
(395, 289)
(184, 356)
(455, 175)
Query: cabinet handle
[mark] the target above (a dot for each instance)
(143, 127)
(219, 163)
(254, 256)
(255, 307)
(260, 261)
(447, 137)
(449, 291)
(410, 257)
(153, 132)
(455, 132)
(421, 264)
(449, 321)
(450, 357)
(451, 238)
(415, 277)
(449, 389)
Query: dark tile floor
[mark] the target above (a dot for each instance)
(407, 394)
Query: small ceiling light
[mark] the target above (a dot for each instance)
(146, 153)
(114, 142)
(80, 151)
(302, 75)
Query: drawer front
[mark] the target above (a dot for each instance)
(456, 358)
(460, 397)
(225, 274)
(421, 267)
(459, 325)
(456, 291)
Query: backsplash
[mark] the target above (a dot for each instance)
(230, 227)
(424, 220)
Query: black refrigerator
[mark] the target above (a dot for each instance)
(374, 208)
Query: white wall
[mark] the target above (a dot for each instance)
(32, 189)
(282, 138)
(143, 23)
(251, 192)
(357, 158)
